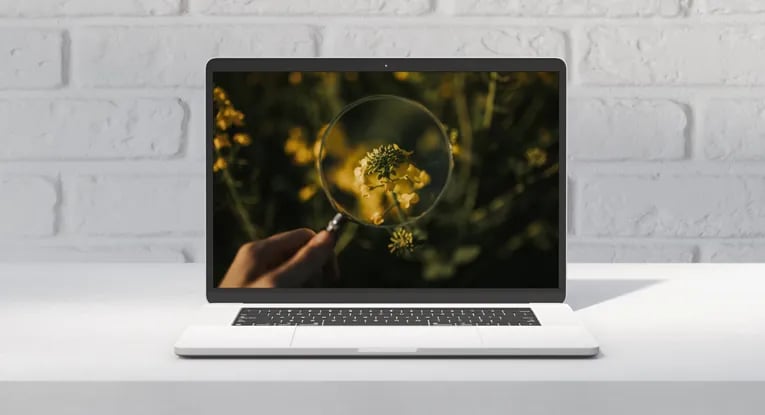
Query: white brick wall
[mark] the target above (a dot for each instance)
(102, 118)
(31, 58)
(91, 128)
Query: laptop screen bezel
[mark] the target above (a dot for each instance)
(387, 295)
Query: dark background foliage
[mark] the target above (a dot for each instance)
(497, 224)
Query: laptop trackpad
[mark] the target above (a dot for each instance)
(384, 338)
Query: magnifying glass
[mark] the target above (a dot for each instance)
(384, 161)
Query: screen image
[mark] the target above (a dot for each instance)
(433, 179)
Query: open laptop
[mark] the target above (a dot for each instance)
(386, 207)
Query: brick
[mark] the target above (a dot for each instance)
(632, 252)
(312, 7)
(737, 252)
(734, 129)
(45, 8)
(134, 205)
(28, 206)
(91, 128)
(106, 253)
(674, 55)
(30, 58)
(197, 129)
(732, 6)
(585, 8)
(176, 56)
(446, 41)
(627, 129)
(679, 206)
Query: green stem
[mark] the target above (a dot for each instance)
(490, 96)
(240, 210)
(463, 120)
(401, 214)
(346, 237)
(332, 94)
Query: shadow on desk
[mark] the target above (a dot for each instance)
(584, 293)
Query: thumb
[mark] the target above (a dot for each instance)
(307, 262)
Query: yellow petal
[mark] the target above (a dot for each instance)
(220, 141)
(377, 218)
(243, 139)
(295, 78)
(403, 186)
(220, 164)
(307, 192)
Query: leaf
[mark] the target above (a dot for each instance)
(437, 271)
(466, 254)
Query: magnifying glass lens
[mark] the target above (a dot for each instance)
(384, 161)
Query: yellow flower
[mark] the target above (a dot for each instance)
(220, 141)
(403, 186)
(358, 173)
(419, 178)
(303, 157)
(401, 242)
(219, 94)
(220, 164)
(295, 78)
(294, 140)
(536, 157)
(377, 218)
(228, 116)
(296, 146)
(243, 139)
(336, 143)
(406, 200)
(307, 192)
(401, 76)
(316, 149)
(386, 173)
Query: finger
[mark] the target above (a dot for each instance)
(307, 262)
(278, 248)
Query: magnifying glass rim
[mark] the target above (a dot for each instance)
(331, 125)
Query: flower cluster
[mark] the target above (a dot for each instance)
(402, 242)
(297, 146)
(383, 161)
(388, 168)
(226, 117)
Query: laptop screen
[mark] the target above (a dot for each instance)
(433, 179)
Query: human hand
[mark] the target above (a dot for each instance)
(287, 259)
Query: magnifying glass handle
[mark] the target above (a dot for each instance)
(336, 223)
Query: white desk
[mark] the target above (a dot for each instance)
(98, 338)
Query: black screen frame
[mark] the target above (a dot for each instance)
(387, 295)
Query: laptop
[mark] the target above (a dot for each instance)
(386, 207)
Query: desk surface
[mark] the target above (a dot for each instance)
(104, 322)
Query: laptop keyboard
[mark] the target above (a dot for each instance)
(386, 317)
